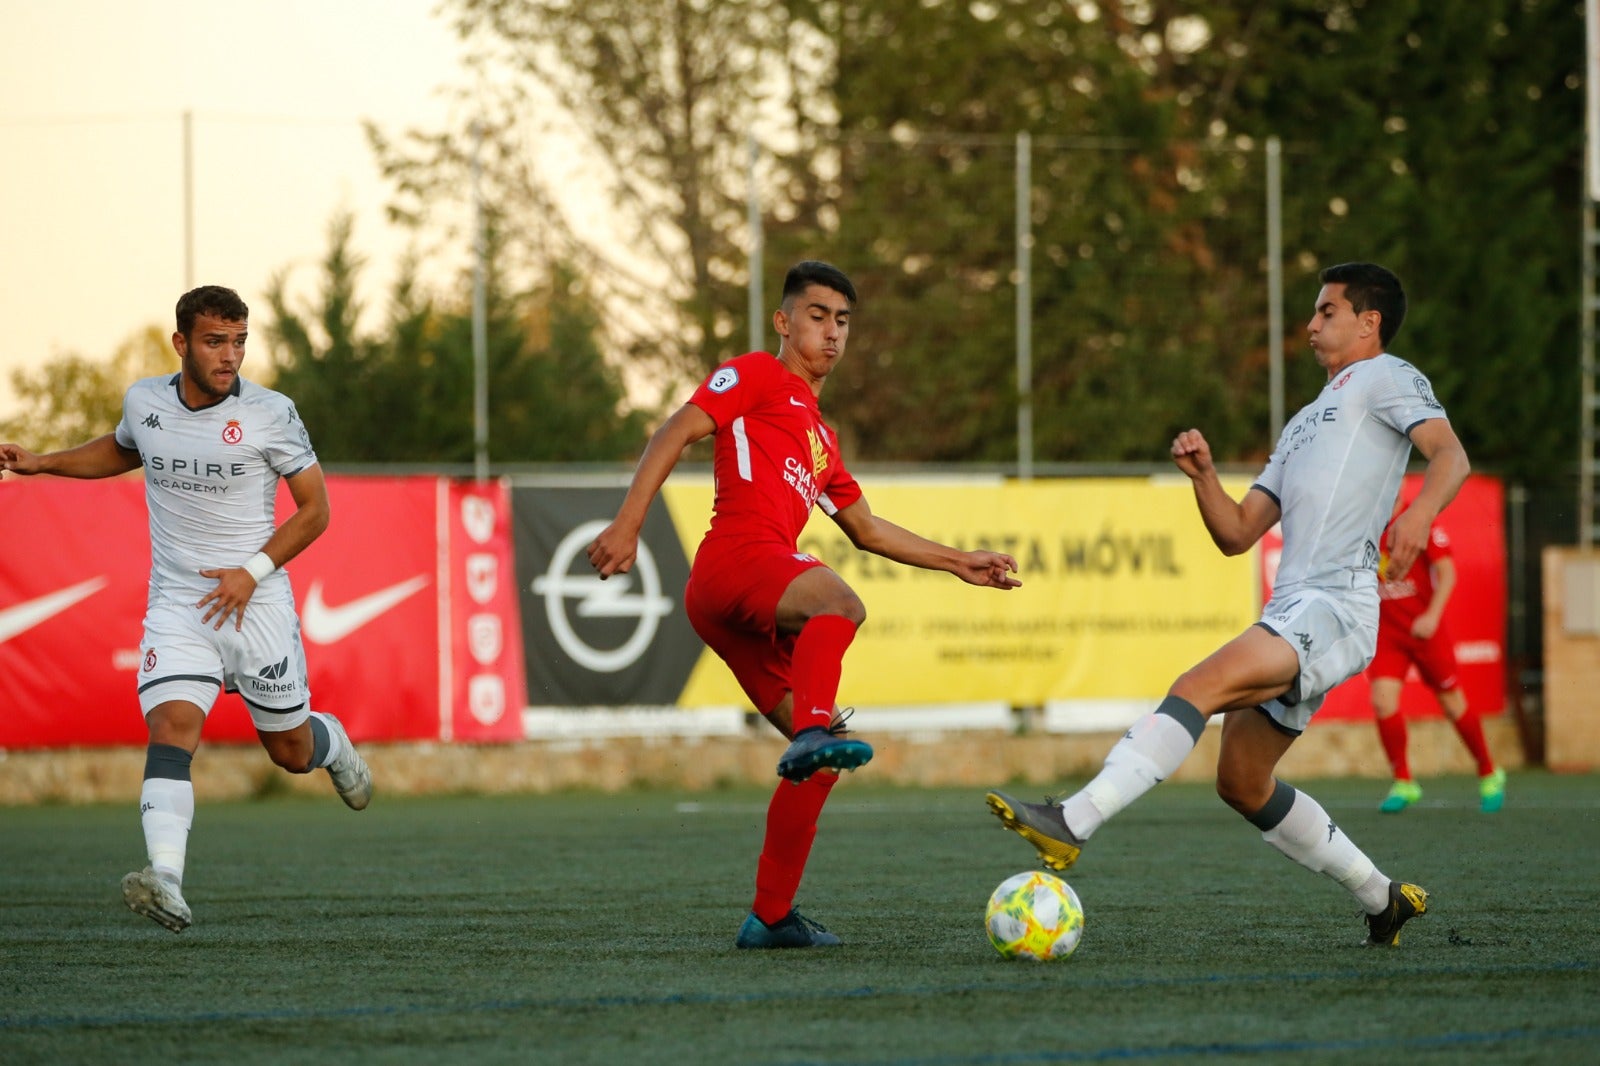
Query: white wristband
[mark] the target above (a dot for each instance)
(260, 565)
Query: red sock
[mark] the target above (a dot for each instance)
(791, 827)
(1392, 732)
(1470, 728)
(814, 668)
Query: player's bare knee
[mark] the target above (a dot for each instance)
(1245, 793)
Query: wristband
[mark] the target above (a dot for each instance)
(260, 565)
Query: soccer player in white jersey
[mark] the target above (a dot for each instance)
(220, 613)
(1332, 481)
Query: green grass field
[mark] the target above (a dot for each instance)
(599, 928)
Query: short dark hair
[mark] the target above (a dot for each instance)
(1370, 287)
(210, 300)
(815, 272)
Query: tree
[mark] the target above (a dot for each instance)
(404, 394)
(1448, 146)
(72, 399)
(659, 97)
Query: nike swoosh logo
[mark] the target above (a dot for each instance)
(797, 403)
(24, 616)
(323, 624)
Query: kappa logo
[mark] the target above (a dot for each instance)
(1305, 642)
(325, 624)
(21, 617)
(276, 671)
(152, 420)
(612, 598)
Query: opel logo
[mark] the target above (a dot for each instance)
(612, 598)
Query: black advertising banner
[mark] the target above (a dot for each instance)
(619, 642)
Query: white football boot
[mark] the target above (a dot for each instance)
(351, 778)
(157, 898)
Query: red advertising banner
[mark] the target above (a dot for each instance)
(486, 691)
(73, 584)
(407, 606)
(1476, 612)
(369, 599)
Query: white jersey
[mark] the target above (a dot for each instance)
(1336, 472)
(211, 480)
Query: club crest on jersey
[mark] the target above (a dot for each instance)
(819, 454)
(150, 660)
(233, 432)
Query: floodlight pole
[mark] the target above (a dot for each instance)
(1024, 237)
(1275, 284)
(756, 300)
(480, 314)
(188, 201)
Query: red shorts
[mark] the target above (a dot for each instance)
(1435, 658)
(732, 602)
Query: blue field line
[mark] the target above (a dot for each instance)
(1202, 1051)
(778, 995)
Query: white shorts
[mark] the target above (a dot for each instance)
(1335, 637)
(183, 658)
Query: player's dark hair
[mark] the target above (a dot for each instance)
(211, 300)
(816, 272)
(1370, 287)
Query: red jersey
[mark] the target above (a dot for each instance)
(774, 457)
(1401, 599)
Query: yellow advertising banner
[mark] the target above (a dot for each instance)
(1122, 591)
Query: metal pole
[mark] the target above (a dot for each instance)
(1024, 305)
(480, 315)
(757, 302)
(188, 201)
(1275, 284)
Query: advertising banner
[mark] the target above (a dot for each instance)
(73, 584)
(407, 613)
(483, 640)
(1121, 589)
(1475, 612)
(619, 642)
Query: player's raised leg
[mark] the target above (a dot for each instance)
(317, 741)
(824, 613)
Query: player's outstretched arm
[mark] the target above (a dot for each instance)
(881, 537)
(1234, 525)
(236, 584)
(613, 551)
(101, 457)
(1448, 468)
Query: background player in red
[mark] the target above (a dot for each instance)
(1412, 629)
(782, 619)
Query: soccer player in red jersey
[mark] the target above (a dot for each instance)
(1412, 629)
(782, 619)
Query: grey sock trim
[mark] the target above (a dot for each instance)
(1275, 809)
(1185, 714)
(320, 742)
(168, 761)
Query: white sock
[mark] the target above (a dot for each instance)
(335, 744)
(1309, 837)
(1146, 755)
(166, 809)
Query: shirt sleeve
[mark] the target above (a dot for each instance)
(734, 388)
(288, 446)
(1402, 398)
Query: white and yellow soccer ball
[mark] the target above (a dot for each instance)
(1034, 915)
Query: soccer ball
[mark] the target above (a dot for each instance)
(1036, 916)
